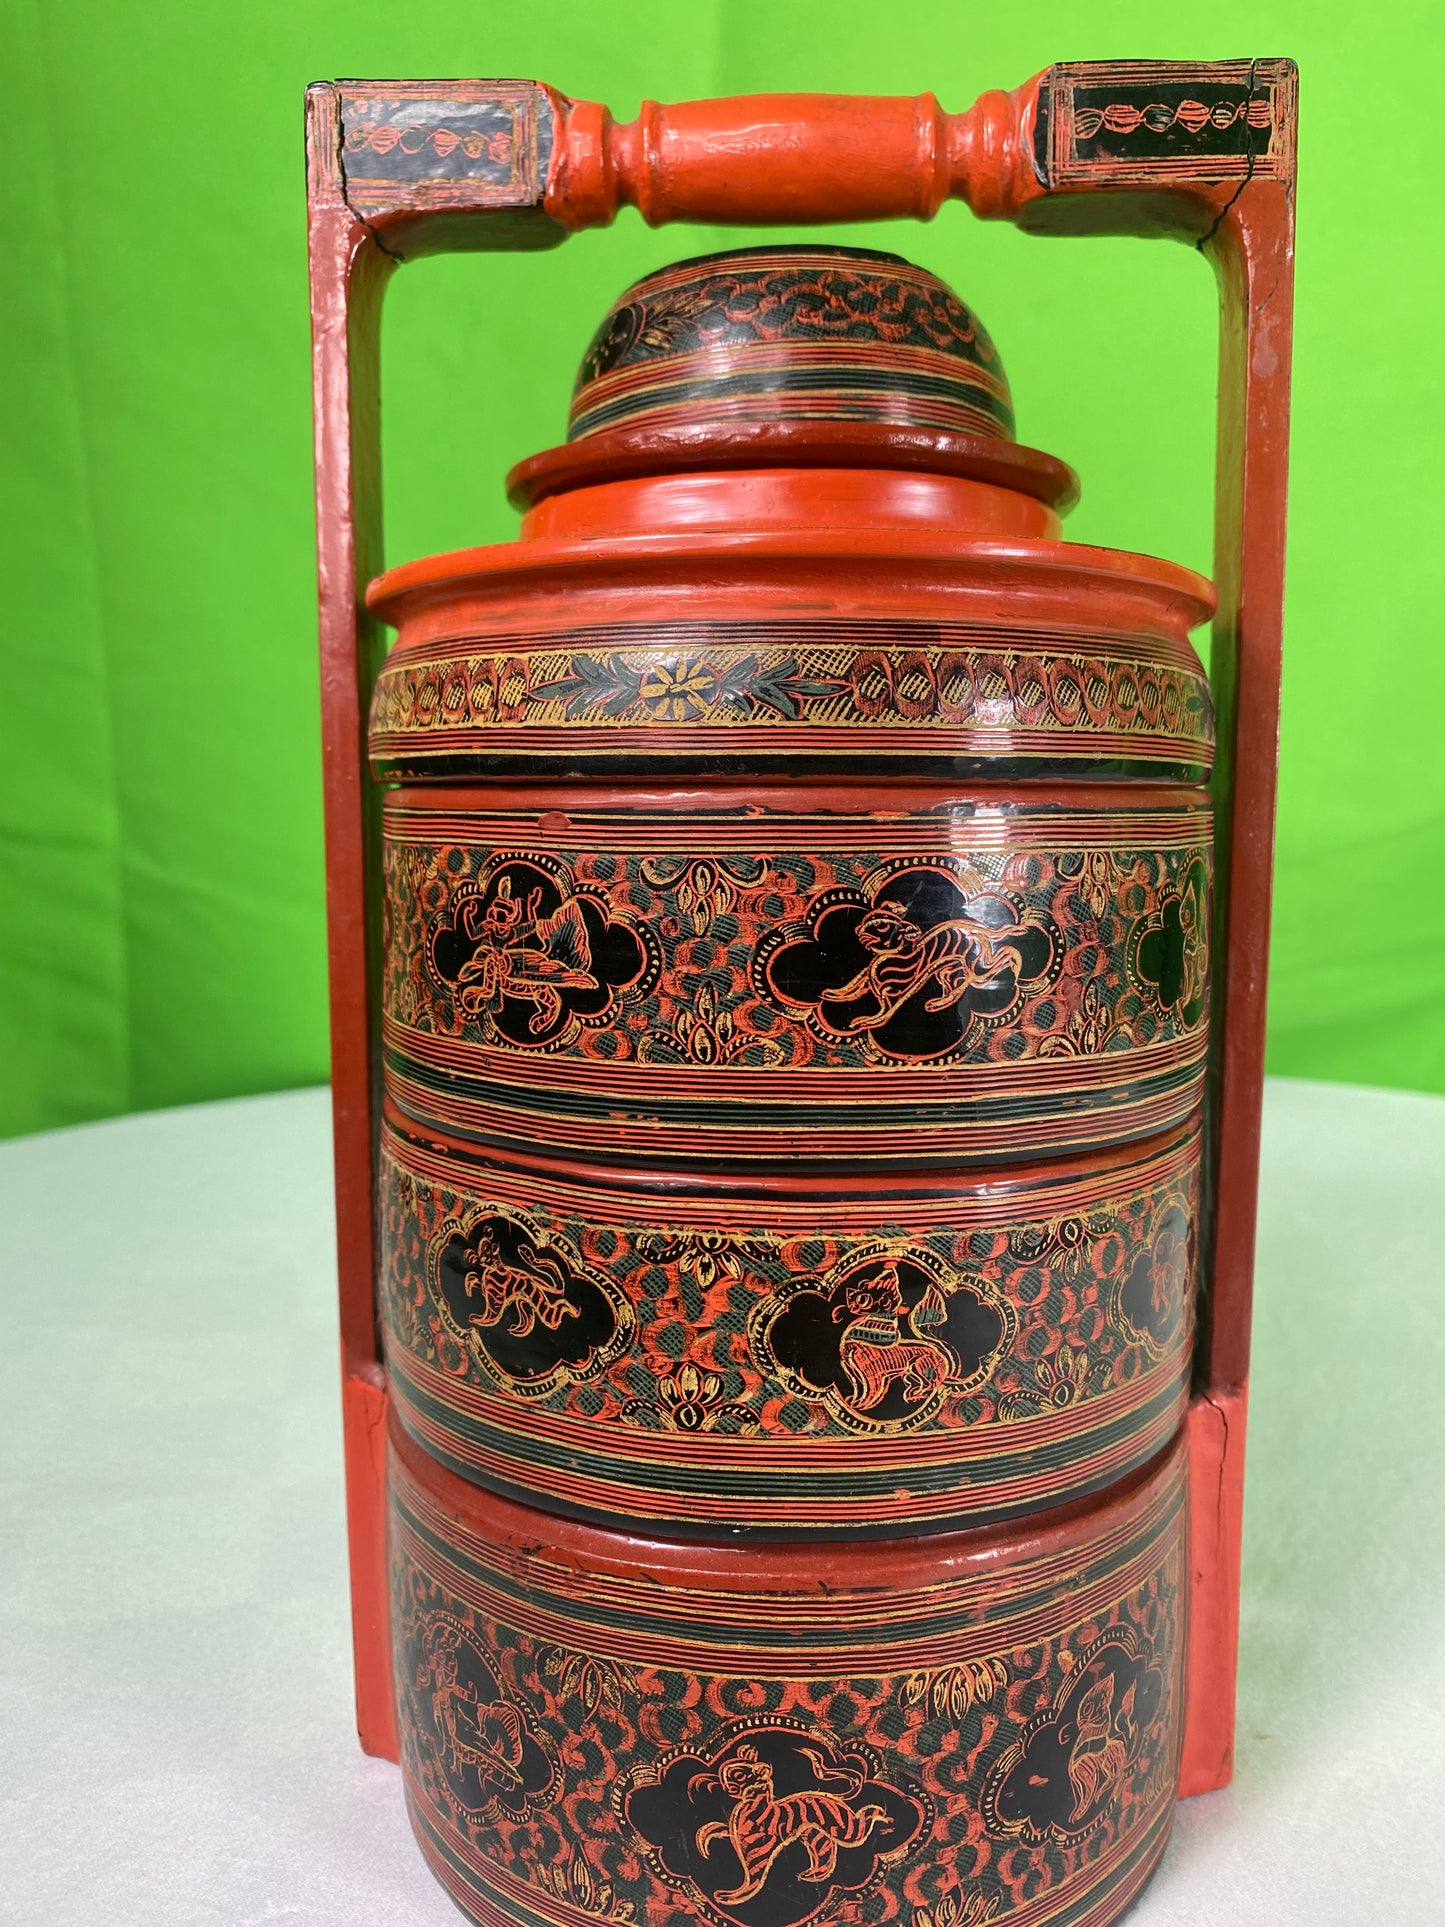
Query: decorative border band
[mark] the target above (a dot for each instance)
(826, 689)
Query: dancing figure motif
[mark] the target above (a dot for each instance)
(488, 1736)
(1104, 1746)
(522, 953)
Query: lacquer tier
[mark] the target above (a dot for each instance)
(795, 620)
(968, 1729)
(781, 1356)
(861, 976)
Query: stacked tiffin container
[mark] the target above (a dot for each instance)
(797, 870)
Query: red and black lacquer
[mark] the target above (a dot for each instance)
(786, 1147)
(788, 1355)
(728, 974)
(803, 1148)
(791, 334)
(978, 1727)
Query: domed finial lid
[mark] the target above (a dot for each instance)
(792, 357)
(777, 334)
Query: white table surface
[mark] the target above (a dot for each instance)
(177, 1728)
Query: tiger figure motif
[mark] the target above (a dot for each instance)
(959, 956)
(535, 1296)
(762, 1824)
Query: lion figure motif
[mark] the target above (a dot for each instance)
(873, 1350)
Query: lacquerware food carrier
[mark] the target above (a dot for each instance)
(789, 1109)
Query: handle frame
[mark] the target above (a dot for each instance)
(1198, 152)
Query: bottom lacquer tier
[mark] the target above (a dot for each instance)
(982, 1727)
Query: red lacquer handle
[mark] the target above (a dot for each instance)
(761, 159)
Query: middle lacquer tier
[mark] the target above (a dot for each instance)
(786, 1355)
(838, 978)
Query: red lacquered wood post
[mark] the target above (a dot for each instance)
(348, 272)
(1201, 153)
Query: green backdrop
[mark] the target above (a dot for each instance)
(161, 933)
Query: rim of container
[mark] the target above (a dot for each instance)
(686, 448)
(409, 586)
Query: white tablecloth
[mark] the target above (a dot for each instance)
(177, 1733)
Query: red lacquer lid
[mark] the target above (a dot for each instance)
(806, 356)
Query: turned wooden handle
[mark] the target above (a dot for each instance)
(761, 159)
